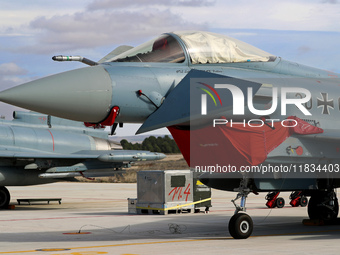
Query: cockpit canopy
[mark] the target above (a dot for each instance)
(164, 49)
(202, 47)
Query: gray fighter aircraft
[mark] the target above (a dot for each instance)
(247, 120)
(37, 149)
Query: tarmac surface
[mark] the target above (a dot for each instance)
(93, 219)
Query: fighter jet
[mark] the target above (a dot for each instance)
(246, 120)
(37, 149)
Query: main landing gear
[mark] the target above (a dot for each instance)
(4, 197)
(241, 225)
(323, 205)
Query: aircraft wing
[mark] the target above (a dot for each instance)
(86, 163)
(104, 155)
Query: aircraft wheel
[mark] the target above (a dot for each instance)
(303, 201)
(318, 209)
(5, 197)
(280, 202)
(240, 226)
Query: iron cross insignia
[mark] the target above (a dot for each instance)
(325, 103)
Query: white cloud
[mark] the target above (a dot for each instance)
(9, 69)
(81, 30)
(266, 14)
(108, 4)
(11, 75)
(330, 1)
(98, 23)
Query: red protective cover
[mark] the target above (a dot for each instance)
(107, 122)
(235, 146)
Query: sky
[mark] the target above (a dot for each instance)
(31, 32)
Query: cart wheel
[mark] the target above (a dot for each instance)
(280, 202)
(303, 201)
(240, 226)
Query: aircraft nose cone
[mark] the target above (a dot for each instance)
(83, 94)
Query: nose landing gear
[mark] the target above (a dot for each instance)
(241, 225)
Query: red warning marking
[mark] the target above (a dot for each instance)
(52, 139)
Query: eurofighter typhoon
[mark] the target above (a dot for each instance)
(246, 120)
(37, 149)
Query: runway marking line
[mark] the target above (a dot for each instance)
(53, 249)
(299, 233)
(116, 245)
(179, 241)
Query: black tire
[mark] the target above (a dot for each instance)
(280, 202)
(5, 197)
(240, 226)
(303, 201)
(316, 212)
